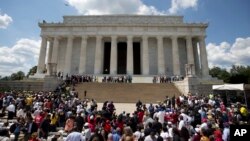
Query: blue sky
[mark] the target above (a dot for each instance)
(228, 34)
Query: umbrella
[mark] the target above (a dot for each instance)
(226, 87)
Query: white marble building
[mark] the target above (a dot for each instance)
(123, 44)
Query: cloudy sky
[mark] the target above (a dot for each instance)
(228, 34)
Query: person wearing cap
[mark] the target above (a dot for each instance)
(204, 123)
(197, 135)
(86, 131)
(181, 123)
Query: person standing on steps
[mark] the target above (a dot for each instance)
(85, 94)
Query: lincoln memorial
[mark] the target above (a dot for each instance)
(123, 44)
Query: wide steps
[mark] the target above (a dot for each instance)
(127, 92)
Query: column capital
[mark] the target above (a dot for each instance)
(159, 37)
(114, 37)
(174, 37)
(57, 37)
(84, 37)
(188, 37)
(130, 37)
(70, 36)
(50, 39)
(202, 37)
(99, 37)
(44, 37)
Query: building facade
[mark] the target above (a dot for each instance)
(123, 44)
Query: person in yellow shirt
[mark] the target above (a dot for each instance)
(53, 121)
(29, 102)
(244, 112)
(204, 135)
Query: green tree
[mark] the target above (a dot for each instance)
(32, 71)
(6, 78)
(17, 76)
(240, 74)
(220, 74)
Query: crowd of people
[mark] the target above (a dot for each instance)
(66, 117)
(118, 79)
(167, 79)
(74, 79)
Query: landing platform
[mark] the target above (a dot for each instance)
(127, 92)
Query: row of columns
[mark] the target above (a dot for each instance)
(54, 46)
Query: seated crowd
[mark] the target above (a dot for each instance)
(40, 114)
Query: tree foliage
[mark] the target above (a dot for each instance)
(237, 74)
(32, 71)
(17, 76)
(220, 74)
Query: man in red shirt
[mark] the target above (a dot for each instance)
(39, 118)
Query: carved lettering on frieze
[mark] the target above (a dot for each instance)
(123, 19)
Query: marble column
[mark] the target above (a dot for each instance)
(83, 54)
(49, 57)
(145, 59)
(160, 54)
(42, 56)
(68, 55)
(54, 59)
(203, 56)
(190, 53)
(113, 55)
(98, 55)
(130, 59)
(176, 58)
(55, 50)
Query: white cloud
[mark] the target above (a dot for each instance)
(225, 55)
(101, 7)
(5, 20)
(177, 5)
(22, 56)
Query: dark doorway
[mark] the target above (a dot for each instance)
(106, 58)
(137, 57)
(121, 57)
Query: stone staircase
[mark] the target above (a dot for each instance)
(127, 92)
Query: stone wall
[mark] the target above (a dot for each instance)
(46, 84)
(22, 85)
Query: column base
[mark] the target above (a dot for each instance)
(38, 76)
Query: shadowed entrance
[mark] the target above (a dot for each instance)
(106, 58)
(121, 57)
